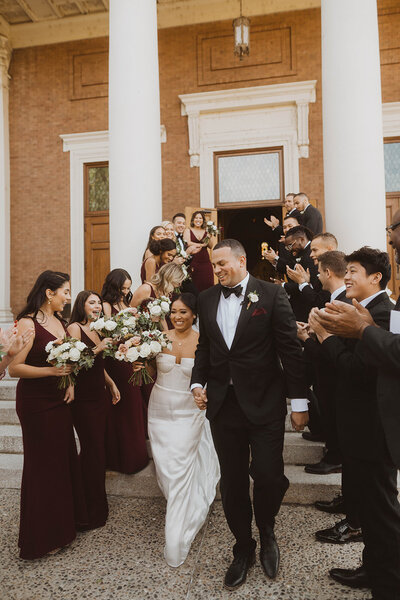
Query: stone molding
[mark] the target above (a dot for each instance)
(298, 94)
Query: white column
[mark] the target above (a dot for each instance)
(6, 316)
(134, 125)
(352, 124)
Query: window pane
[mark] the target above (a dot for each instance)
(98, 188)
(249, 178)
(392, 167)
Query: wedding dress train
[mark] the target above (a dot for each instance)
(184, 456)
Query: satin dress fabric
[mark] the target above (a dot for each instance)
(201, 267)
(52, 496)
(184, 456)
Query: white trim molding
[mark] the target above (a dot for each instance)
(92, 146)
(248, 118)
(83, 148)
(391, 119)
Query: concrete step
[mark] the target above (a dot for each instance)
(8, 414)
(8, 389)
(11, 439)
(298, 451)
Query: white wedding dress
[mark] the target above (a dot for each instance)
(184, 456)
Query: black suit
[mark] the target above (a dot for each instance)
(312, 219)
(296, 214)
(251, 412)
(314, 295)
(299, 303)
(365, 437)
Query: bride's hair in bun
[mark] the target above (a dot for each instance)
(157, 247)
(188, 300)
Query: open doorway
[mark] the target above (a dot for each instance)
(247, 225)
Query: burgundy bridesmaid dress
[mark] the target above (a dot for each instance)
(126, 450)
(143, 270)
(202, 271)
(52, 499)
(89, 412)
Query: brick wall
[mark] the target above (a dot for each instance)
(41, 108)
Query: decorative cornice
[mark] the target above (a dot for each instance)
(83, 141)
(299, 94)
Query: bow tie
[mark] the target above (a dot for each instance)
(179, 236)
(235, 290)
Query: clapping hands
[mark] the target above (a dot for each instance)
(273, 222)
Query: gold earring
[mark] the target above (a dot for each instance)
(49, 301)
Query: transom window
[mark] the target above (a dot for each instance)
(250, 177)
(392, 166)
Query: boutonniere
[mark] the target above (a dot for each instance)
(252, 297)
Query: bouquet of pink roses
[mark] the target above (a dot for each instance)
(142, 348)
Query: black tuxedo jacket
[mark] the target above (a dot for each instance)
(265, 333)
(300, 305)
(359, 425)
(382, 351)
(312, 219)
(315, 296)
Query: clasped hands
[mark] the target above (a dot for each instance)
(299, 419)
(341, 319)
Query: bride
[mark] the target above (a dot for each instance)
(186, 463)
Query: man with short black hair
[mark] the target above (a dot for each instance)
(179, 222)
(362, 436)
(310, 216)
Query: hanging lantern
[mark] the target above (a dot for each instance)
(241, 28)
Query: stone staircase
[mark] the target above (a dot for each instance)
(304, 488)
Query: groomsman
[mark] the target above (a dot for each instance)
(247, 334)
(291, 211)
(369, 419)
(179, 223)
(309, 215)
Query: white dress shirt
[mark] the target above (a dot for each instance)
(337, 292)
(366, 301)
(228, 313)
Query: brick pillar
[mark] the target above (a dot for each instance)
(354, 175)
(6, 316)
(134, 126)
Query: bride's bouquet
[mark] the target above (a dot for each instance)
(72, 352)
(142, 348)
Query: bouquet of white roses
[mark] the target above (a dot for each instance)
(142, 348)
(119, 326)
(212, 230)
(69, 351)
(152, 312)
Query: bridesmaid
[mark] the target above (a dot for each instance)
(126, 450)
(156, 233)
(162, 252)
(52, 500)
(89, 410)
(202, 271)
(163, 283)
(169, 230)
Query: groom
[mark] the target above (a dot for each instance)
(246, 326)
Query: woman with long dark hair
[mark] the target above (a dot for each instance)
(52, 500)
(126, 450)
(89, 410)
(162, 252)
(201, 268)
(156, 233)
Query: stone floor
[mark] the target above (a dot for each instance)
(123, 561)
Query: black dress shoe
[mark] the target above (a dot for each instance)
(312, 437)
(269, 554)
(323, 468)
(331, 506)
(237, 572)
(340, 533)
(355, 578)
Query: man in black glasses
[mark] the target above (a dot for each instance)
(380, 514)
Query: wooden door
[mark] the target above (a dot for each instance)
(97, 231)
(392, 205)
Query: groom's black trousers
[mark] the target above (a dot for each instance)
(234, 436)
